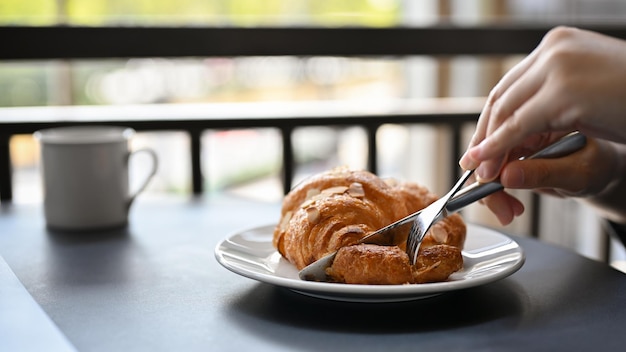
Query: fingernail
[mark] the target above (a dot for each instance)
(467, 163)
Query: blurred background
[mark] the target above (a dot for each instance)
(226, 153)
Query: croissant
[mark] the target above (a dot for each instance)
(333, 210)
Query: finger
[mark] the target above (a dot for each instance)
(513, 76)
(489, 170)
(515, 97)
(533, 117)
(466, 162)
(504, 206)
(543, 173)
(485, 119)
(586, 172)
(504, 108)
(519, 84)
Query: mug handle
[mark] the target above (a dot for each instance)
(155, 163)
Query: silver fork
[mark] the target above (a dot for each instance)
(430, 215)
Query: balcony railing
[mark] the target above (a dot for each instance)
(69, 43)
(195, 118)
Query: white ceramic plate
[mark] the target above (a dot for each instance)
(488, 256)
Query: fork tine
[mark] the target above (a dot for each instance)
(428, 216)
(415, 240)
(412, 246)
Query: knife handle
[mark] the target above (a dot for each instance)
(476, 191)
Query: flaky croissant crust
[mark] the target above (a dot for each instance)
(336, 208)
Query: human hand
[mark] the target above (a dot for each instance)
(586, 173)
(574, 80)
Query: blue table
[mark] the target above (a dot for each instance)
(156, 286)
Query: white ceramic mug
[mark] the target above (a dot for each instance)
(85, 176)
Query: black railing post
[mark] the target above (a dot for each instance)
(535, 214)
(288, 158)
(6, 182)
(372, 147)
(195, 145)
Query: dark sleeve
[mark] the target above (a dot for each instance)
(618, 231)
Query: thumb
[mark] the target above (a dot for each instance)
(577, 174)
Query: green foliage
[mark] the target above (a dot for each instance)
(206, 12)
(34, 84)
(28, 12)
